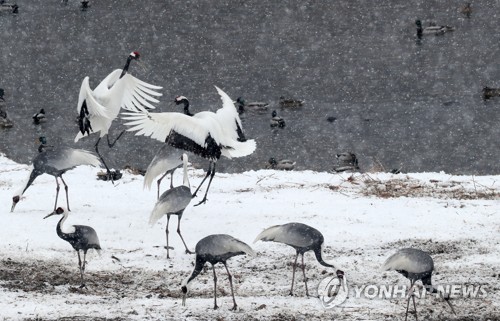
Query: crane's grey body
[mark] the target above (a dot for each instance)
(302, 238)
(216, 248)
(165, 162)
(55, 162)
(173, 202)
(81, 238)
(414, 264)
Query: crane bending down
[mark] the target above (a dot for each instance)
(216, 248)
(55, 162)
(99, 107)
(414, 265)
(165, 162)
(173, 202)
(206, 134)
(81, 238)
(302, 238)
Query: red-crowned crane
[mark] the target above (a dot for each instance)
(99, 107)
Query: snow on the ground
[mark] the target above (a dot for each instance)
(363, 217)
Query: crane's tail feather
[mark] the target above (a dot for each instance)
(269, 234)
(240, 149)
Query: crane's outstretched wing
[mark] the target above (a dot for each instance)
(132, 93)
(229, 118)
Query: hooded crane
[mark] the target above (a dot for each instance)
(99, 107)
(216, 248)
(55, 162)
(81, 238)
(173, 202)
(165, 162)
(206, 134)
(302, 238)
(414, 265)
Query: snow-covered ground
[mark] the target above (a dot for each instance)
(363, 217)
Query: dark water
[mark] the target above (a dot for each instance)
(400, 102)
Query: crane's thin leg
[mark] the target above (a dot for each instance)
(179, 232)
(230, 277)
(66, 189)
(158, 182)
(117, 138)
(102, 160)
(209, 171)
(215, 288)
(83, 267)
(172, 178)
(166, 232)
(81, 270)
(57, 194)
(410, 292)
(293, 274)
(304, 273)
(212, 173)
(414, 306)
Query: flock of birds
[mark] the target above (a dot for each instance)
(206, 134)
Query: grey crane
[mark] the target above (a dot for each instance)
(216, 248)
(302, 238)
(414, 264)
(206, 134)
(81, 238)
(165, 162)
(173, 202)
(55, 162)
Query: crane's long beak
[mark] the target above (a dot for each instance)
(53, 213)
(13, 206)
(184, 300)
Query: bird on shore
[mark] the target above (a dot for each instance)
(489, 92)
(206, 134)
(414, 264)
(56, 161)
(8, 7)
(276, 121)
(466, 10)
(255, 106)
(432, 29)
(216, 248)
(99, 107)
(39, 117)
(290, 102)
(173, 202)
(284, 164)
(346, 161)
(302, 238)
(81, 238)
(165, 162)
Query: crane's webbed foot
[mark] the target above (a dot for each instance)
(189, 252)
(234, 308)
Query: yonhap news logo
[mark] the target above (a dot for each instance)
(333, 291)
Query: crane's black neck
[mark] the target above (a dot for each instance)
(127, 65)
(59, 231)
(186, 106)
(33, 175)
(200, 262)
(317, 252)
